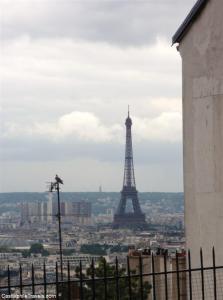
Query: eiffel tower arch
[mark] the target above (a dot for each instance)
(135, 218)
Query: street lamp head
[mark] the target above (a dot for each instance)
(58, 179)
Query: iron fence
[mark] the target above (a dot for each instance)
(161, 281)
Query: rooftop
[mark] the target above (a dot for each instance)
(187, 23)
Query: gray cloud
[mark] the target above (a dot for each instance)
(118, 22)
(20, 149)
(85, 166)
(87, 175)
(60, 57)
(53, 77)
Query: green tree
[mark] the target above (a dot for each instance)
(37, 248)
(111, 284)
(4, 249)
(94, 249)
(25, 253)
(68, 252)
(119, 248)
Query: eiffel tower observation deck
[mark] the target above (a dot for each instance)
(129, 195)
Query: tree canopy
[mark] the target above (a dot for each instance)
(103, 269)
(36, 248)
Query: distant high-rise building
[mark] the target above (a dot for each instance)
(24, 210)
(44, 212)
(39, 211)
(34, 213)
(63, 208)
(127, 216)
(50, 208)
(78, 212)
(81, 209)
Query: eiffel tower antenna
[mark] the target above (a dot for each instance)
(129, 192)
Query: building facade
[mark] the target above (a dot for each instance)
(200, 43)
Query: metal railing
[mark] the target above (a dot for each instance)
(165, 278)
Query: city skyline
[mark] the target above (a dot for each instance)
(65, 91)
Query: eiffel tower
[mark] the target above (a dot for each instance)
(135, 218)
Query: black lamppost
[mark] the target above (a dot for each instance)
(55, 186)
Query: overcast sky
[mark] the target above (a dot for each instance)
(68, 70)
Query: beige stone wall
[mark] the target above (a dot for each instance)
(134, 265)
(202, 66)
(182, 279)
